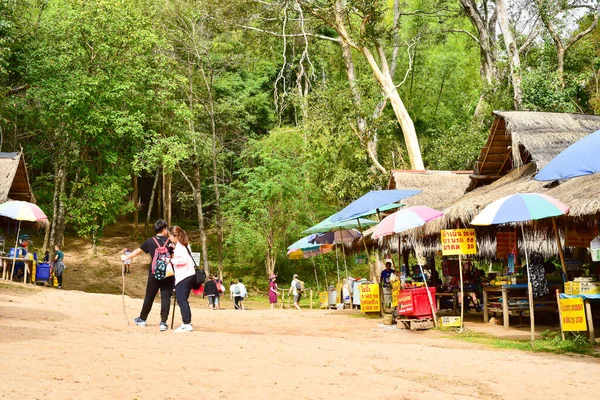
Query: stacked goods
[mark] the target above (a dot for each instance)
(582, 286)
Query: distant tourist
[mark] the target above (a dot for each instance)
(273, 294)
(240, 294)
(296, 291)
(153, 285)
(386, 274)
(211, 291)
(185, 275)
(127, 263)
(58, 265)
(232, 286)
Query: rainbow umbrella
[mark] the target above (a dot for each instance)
(408, 218)
(21, 211)
(303, 248)
(522, 207)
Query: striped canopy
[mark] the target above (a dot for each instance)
(22, 211)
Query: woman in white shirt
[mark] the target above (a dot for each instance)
(185, 275)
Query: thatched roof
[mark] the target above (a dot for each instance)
(520, 137)
(439, 188)
(14, 181)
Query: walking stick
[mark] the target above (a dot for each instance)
(173, 316)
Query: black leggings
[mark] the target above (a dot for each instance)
(182, 294)
(59, 278)
(152, 287)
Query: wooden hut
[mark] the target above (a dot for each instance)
(14, 180)
(520, 137)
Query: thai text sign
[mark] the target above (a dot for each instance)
(323, 300)
(573, 315)
(395, 293)
(450, 321)
(369, 298)
(458, 241)
(575, 238)
(506, 243)
(405, 303)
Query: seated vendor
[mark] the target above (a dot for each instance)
(434, 278)
(386, 273)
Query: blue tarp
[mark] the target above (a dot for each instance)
(373, 200)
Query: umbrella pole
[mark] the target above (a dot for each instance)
(362, 233)
(337, 261)
(343, 252)
(462, 294)
(529, 290)
(324, 271)
(15, 254)
(560, 250)
(429, 297)
(316, 278)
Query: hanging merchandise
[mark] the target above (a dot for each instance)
(511, 263)
(537, 274)
(595, 249)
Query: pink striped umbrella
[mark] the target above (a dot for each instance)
(407, 218)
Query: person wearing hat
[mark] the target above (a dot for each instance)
(273, 290)
(296, 290)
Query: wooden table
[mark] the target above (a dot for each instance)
(453, 294)
(493, 294)
(7, 267)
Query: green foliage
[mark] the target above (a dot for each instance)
(456, 148)
(98, 205)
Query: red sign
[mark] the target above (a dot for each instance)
(405, 303)
(506, 243)
(575, 238)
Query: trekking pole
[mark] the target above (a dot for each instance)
(173, 316)
(123, 294)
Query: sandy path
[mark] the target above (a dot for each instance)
(74, 345)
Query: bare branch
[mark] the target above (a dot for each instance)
(532, 35)
(581, 34)
(289, 35)
(465, 32)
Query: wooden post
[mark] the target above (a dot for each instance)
(311, 299)
(486, 316)
(435, 323)
(505, 316)
(590, 321)
(560, 249)
(362, 233)
(562, 333)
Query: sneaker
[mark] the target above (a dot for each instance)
(185, 328)
(139, 322)
(163, 326)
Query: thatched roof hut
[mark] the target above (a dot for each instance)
(14, 180)
(520, 137)
(439, 188)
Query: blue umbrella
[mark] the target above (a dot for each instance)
(372, 201)
(579, 159)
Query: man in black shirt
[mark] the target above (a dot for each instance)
(154, 285)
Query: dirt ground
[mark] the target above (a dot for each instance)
(74, 345)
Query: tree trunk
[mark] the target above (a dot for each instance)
(135, 203)
(198, 198)
(167, 195)
(382, 74)
(160, 197)
(58, 206)
(513, 53)
(219, 220)
(151, 202)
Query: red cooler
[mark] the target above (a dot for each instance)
(415, 302)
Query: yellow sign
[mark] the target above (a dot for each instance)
(573, 315)
(458, 241)
(369, 298)
(323, 299)
(450, 321)
(395, 293)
